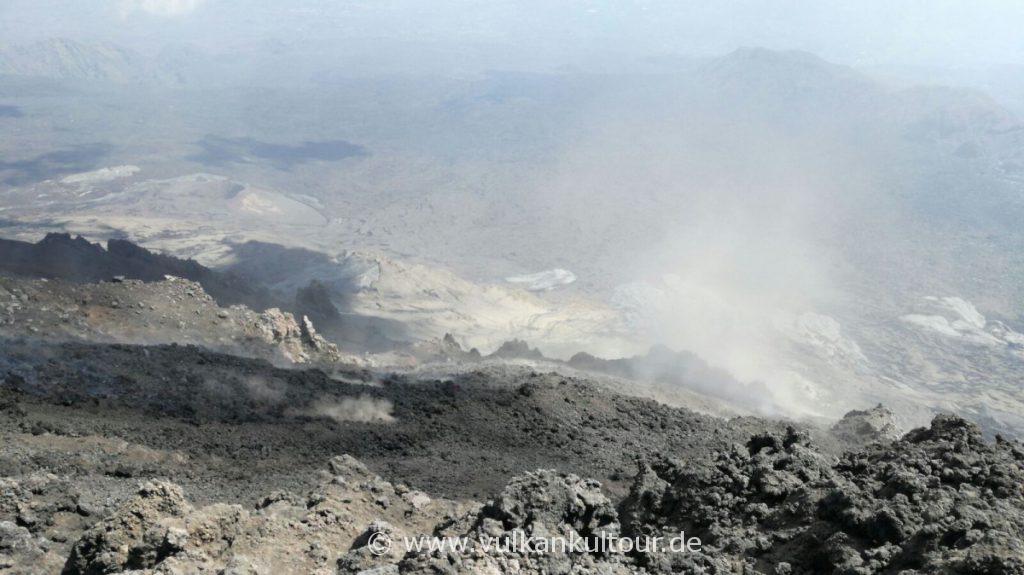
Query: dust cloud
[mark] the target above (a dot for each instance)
(362, 409)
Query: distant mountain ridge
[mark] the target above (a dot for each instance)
(59, 256)
(66, 59)
(788, 79)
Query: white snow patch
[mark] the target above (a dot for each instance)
(968, 316)
(544, 281)
(935, 323)
(958, 318)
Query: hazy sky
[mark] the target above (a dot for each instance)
(944, 33)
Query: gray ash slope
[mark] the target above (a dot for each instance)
(85, 426)
(482, 427)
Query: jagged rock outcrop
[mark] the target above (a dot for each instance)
(23, 552)
(536, 506)
(158, 531)
(314, 340)
(59, 256)
(173, 310)
(443, 350)
(132, 537)
(42, 507)
(297, 342)
(545, 501)
(722, 502)
(517, 349)
(280, 329)
(860, 427)
(939, 500)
